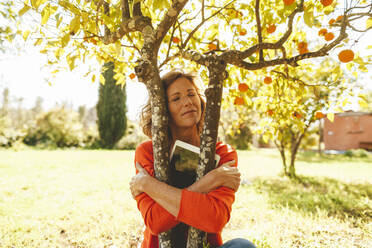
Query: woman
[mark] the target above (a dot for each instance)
(206, 204)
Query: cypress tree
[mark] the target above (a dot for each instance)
(111, 109)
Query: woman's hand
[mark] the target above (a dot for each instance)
(226, 175)
(137, 181)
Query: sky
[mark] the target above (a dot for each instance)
(24, 75)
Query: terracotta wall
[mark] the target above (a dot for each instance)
(347, 131)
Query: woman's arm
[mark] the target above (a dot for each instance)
(166, 196)
(170, 197)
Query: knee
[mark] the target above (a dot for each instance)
(238, 243)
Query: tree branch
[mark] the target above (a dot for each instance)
(195, 56)
(106, 11)
(137, 23)
(137, 9)
(125, 13)
(259, 29)
(202, 22)
(168, 21)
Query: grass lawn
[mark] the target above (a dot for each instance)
(80, 198)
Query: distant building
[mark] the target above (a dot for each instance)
(349, 130)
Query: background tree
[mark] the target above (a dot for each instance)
(292, 110)
(153, 33)
(111, 109)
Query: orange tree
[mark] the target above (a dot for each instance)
(144, 37)
(297, 101)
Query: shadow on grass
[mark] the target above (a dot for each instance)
(310, 194)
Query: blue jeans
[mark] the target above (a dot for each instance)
(238, 243)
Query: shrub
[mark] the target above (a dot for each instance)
(357, 153)
(132, 138)
(59, 127)
(8, 134)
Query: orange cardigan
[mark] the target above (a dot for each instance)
(208, 212)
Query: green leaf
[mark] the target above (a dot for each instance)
(24, 10)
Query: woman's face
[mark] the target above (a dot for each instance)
(183, 103)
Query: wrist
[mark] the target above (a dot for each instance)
(145, 180)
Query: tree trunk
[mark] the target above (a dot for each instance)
(148, 72)
(281, 148)
(284, 162)
(217, 74)
(294, 149)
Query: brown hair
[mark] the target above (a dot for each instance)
(167, 80)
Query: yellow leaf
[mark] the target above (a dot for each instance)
(65, 39)
(331, 116)
(58, 20)
(118, 48)
(363, 103)
(349, 66)
(26, 34)
(369, 23)
(75, 24)
(101, 79)
(355, 74)
(93, 78)
(71, 62)
(45, 14)
(38, 42)
(24, 10)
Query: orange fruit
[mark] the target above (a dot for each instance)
(268, 80)
(270, 112)
(288, 2)
(301, 45)
(339, 18)
(243, 32)
(132, 75)
(331, 21)
(271, 28)
(176, 40)
(243, 87)
(297, 115)
(326, 2)
(212, 47)
(322, 32)
(303, 50)
(319, 115)
(238, 100)
(93, 40)
(346, 56)
(329, 36)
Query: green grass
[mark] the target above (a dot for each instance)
(78, 198)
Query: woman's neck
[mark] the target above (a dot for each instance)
(190, 135)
